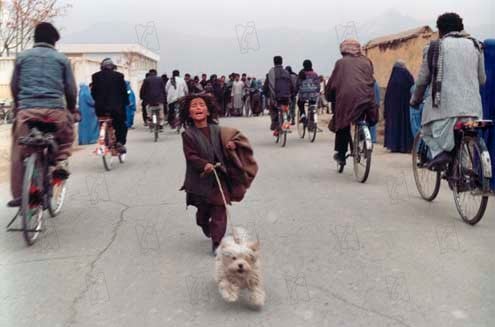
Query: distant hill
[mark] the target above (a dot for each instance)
(224, 55)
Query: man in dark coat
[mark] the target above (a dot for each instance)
(350, 90)
(398, 137)
(110, 94)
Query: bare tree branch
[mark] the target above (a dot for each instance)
(17, 29)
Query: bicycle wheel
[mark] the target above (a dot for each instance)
(471, 188)
(361, 154)
(56, 195)
(107, 156)
(301, 129)
(312, 125)
(427, 181)
(32, 200)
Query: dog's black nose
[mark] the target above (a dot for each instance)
(240, 265)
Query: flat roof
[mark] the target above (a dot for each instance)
(107, 48)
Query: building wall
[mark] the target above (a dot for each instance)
(6, 69)
(85, 65)
(411, 51)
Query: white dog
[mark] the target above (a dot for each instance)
(238, 266)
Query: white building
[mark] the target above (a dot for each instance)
(133, 60)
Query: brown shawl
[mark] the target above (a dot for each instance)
(241, 166)
(350, 89)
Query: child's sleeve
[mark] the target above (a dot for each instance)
(192, 155)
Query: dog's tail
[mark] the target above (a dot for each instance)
(240, 235)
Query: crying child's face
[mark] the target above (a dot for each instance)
(198, 110)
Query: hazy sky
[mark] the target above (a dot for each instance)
(220, 16)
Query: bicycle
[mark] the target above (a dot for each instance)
(42, 188)
(106, 147)
(310, 122)
(283, 125)
(361, 152)
(154, 125)
(468, 174)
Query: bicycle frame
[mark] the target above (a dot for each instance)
(102, 149)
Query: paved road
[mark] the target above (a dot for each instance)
(125, 252)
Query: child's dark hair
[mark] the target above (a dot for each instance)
(186, 120)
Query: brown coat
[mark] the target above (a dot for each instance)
(350, 89)
(241, 166)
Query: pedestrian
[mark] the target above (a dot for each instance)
(228, 95)
(489, 99)
(143, 103)
(111, 99)
(237, 96)
(454, 68)
(350, 90)
(398, 136)
(88, 127)
(165, 105)
(376, 89)
(205, 144)
(255, 97)
(131, 107)
(176, 89)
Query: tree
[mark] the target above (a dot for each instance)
(18, 18)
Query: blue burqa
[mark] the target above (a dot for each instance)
(88, 127)
(488, 97)
(131, 108)
(398, 137)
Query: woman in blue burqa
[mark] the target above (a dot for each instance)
(488, 92)
(88, 127)
(398, 137)
(131, 108)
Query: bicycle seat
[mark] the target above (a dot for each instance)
(473, 124)
(42, 126)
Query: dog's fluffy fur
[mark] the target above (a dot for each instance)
(238, 267)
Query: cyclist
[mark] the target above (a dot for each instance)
(350, 90)
(308, 85)
(454, 68)
(279, 87)
(111, 99)
(44, 89)
(153, 93)
(176, 88)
